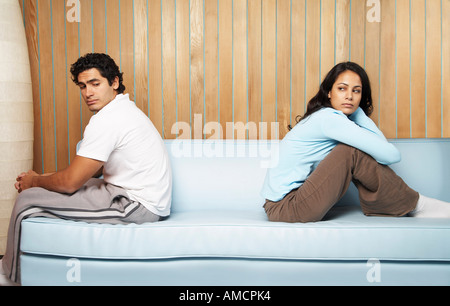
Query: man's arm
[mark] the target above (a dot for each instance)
(99, 172)
(68, 180)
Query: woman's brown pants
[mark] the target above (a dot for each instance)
(381, 191)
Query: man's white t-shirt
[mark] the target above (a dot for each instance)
(134, 155)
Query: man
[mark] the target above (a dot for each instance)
(119, 142)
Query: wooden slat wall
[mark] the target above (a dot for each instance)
(212, 63)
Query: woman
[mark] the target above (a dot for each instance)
(334, 143)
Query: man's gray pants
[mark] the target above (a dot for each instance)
(96, 202)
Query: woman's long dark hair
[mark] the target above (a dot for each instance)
(321, 100)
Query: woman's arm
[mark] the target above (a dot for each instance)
(361, 119)
(360, 133)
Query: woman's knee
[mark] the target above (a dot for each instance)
(343, 149)
(276, 213)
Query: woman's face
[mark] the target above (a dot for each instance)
(345, 95)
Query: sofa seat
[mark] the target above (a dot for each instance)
(218, 233)
(346, 234)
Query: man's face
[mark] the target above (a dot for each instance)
(96, 90)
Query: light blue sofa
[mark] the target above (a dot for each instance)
(218, 233)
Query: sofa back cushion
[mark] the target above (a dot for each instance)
(218, 174)
(228, 174)
(425, 167)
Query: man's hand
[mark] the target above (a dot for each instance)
(25, 180)
(67, 180)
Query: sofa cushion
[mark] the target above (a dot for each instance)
(218, 174)
(228, 175)
(346, 234)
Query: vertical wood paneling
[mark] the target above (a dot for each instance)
(98, 8)
(254, 64)
(239, 69)
(371, 63)
(127, 50)
(445, 67)
(140, 54)
(155, 64)
(113, 27)
(342, 29)
(269, 63)
(357, 29)
(418, 77)
(433, 68)
(46, 85)
(403, 69)
(283, 65)
(387, 107)
(60, 105)
(312, 57)
(299, 98)
(327, 37)
(250, 62)
(72, 99)
(29, 11)
(183, 64)
(211, 111)
(197, 72)
(225, 65)
(86, 44)
(169, 66)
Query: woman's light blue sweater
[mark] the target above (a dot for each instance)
(309, 142)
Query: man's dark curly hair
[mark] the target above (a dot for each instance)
(103, 63)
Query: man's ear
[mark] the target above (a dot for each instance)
(115, 84)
